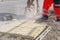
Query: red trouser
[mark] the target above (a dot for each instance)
(46, 6)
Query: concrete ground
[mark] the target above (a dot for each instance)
(54, 34)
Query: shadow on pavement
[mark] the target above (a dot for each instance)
(19, 17)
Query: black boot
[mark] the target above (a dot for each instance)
(58, 20)
(42, 19)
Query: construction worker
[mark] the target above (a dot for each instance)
(56, 5)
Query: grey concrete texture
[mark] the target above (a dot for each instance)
(17, 9)
(54, 34)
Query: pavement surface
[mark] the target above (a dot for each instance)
(18, 12)
(54, 34)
